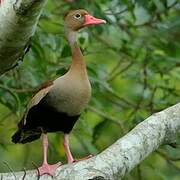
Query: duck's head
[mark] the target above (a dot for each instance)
(77, 19)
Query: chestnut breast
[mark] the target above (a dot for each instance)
(70, 94)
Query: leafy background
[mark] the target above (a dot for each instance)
(134, 68)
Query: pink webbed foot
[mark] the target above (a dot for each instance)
(48, 169)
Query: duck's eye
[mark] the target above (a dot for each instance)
(77, 16)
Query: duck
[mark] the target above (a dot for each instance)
(58, 104)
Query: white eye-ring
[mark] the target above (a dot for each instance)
(77, 16)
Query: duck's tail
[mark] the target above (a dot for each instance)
(24, 136)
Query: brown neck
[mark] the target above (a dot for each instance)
(78, 62)
(78, 65)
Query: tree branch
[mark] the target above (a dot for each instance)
(18, 20)
(121, 157)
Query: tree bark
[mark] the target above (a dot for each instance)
(121, 157)
(18, 20)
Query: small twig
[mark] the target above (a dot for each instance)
(103, 41)
(119, 104)
(172, 5)
(115, 67)
(11, 170)
(120, 71)
(118, 13)
(115, 94)
(167, 157)
(81, 141)
(151, 104)
(13, 89)
(111, 118)
(139, 172)
(36, 167)
(23, 178)
(144, 84)
(168, 160)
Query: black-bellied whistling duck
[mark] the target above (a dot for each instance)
(58, 105)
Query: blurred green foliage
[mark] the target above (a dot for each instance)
(134, 67)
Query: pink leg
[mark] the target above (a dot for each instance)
(1, 1)
(46, 168)
(68, 152)
(67, 149)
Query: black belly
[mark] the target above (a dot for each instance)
(43, 118)
(48, 119)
